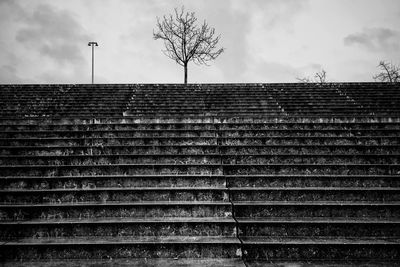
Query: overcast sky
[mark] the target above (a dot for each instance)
(45, 41)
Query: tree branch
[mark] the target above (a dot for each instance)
(185, 41)
(389, 73)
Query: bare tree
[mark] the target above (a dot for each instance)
(389, 73)
(319, 77)
(186, 41)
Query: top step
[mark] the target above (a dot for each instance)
(205, 100)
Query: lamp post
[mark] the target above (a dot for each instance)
(93, 44)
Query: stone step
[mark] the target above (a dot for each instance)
(184, 149)
(101, 194)
(192, 158)
(190, 120)
(382, 195)
(315, 203)
(282, 240)
(243, 221)
(240, 181)
(322, 262)
(310, 180)
(20, 196)
(120, 240)
(320, 248)
(118, 227)
(102, 181)
(254, 123)
(204, 169)
(222, 128)
(317, 209)
(204, 140)
(120, 247)
(115, 209)
(122, 220)
(319, 227)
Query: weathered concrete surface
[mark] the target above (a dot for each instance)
(133, 263)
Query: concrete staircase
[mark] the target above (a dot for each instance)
(213, 175)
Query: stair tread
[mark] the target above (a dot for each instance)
(288, 188)
(217, 122)
(205, 145)
(97, 189)
(199, 137)
(198, 164)
(118, 203)
(320, 240)
(118, 176)
(311, 175)
(199, 188)
(315, 203)
(324, 263)
(116, 220)
(133, 130)
(317, 220)
(304, 155)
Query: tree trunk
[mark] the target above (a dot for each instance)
(185, 67)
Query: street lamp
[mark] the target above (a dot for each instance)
(93, 44)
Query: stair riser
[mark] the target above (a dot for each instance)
(67, 151)
(76, 251)
(187, 149)
(293, 141)
(105, 196)
(83, 170)
(109, 134)
(308, 181)
(328, 159)
(153, 211)
(116, 126)
(196, 159)
(114, 159)
(320, 230)
(111, 141)
(326, 252)
(118, 230)
(198, 133)
(250, 127)
(276, 195)
(320, 141)
(314, 170)
(119, 182)
(346, 120)
(313, 150)
(318, 211)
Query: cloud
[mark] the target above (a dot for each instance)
(276, 72)
(275, 13)
(265, 40)
(269, 71)
(55, 34)
(245, 28)
(8, 74)
(375, 39)
(234, 29)
(10, 8)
